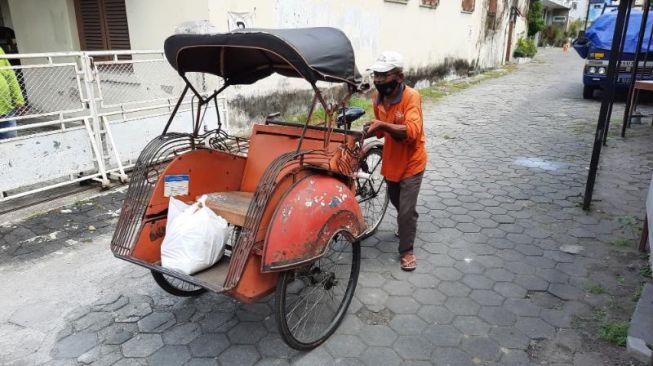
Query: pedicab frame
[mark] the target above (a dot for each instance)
(299, 183)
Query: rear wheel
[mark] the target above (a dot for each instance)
(175, 286)
(372, 194)
(588, 92)
(311, 301)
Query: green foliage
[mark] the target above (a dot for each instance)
(614, 332)
(535, 17)
(367, 105)
(627, 221)
(622, 243)
(525, 48)
(638, 292)
(553, 36)
(597, 290)
(620, 279)
(645, 271)
(574, 27)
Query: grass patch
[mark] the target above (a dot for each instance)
(627, 220)
(614, 332)
(638, 292)
(622, 243)
(319, 113)
(599, 314)
(645, 271)
(444, 87)
(432, 94)
(597, 290)
(620, 279)
(493, 74)
(367, 105)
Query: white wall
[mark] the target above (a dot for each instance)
(44, 26)
(150, 22)
(424, 36)
(581, 10)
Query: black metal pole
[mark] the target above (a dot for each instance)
(633, 75)
(174, 111)
(622, 44)
(608, 97)
(635, 93)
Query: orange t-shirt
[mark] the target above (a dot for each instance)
(406, 158)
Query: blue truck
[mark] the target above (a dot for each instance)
(595, 44)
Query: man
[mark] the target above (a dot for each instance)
(11, 96)
(398, 119)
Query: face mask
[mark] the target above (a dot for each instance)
(387, 88)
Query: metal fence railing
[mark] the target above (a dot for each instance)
(70, 117)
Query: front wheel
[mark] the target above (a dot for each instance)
(588, 92)
(372, 193)
(311, 301)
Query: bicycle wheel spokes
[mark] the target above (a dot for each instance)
(312, 301)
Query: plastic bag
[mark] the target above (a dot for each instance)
(195, 237)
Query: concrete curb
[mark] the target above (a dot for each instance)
(640, 331)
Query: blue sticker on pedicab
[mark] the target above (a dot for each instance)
(175, 185)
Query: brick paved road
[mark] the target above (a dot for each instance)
(500, 198)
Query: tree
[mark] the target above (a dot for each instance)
(535, 17)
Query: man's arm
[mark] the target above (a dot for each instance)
(397, 132)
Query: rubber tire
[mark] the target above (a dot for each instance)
(171, 289)
(588, 92)
(280, 301)
(370, 231)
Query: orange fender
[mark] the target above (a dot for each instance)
(309, 214)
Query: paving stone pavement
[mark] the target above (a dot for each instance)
(501, 196)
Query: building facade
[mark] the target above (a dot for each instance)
(427, 32)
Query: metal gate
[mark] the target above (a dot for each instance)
(87, 116)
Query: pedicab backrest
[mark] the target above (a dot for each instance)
(270, 141)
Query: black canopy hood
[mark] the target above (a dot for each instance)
(245, 56)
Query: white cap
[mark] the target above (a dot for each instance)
(387, 61)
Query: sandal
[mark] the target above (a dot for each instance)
(408, 262)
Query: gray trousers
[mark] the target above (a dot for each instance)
(403, 195)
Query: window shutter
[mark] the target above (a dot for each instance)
(89, 25)
(468, 5)
(116, 24)
(102, 25)
(492, 6)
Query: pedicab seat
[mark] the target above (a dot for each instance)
(232, 206)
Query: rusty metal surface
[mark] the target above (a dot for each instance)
(142, 180)
(267, 142)
(253, 219)
(310, 213)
